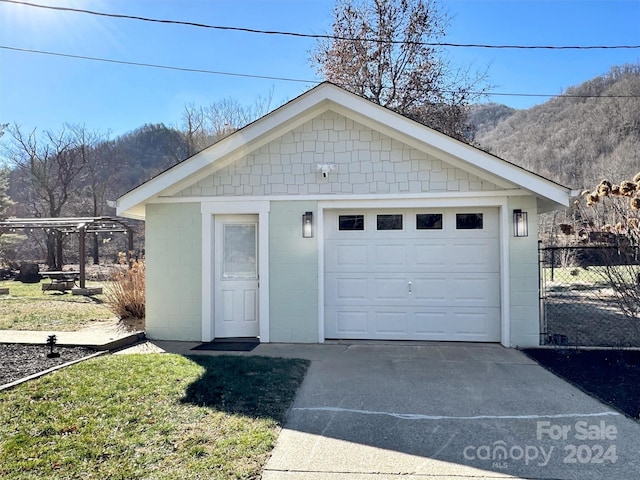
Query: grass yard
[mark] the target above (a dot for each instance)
(587, 276)
(27, 307)
(594, 276)
(156, 416)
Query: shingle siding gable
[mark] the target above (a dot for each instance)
(366, 162)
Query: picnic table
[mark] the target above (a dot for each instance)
(60, 280)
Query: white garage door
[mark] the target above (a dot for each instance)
(412, 275)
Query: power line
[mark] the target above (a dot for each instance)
(282, 79)
(321, 36)
(154, 65)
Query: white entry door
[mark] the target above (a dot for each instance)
(236, 276)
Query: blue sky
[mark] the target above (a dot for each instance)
(39, 91)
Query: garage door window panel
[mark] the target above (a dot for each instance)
(351, 222)
(429, 221)
(469, 221)
(389, 222)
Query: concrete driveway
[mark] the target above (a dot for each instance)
(444, 411)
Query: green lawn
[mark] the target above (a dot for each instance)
(593, 277)
(156, 416)
(27, 307)
(574, 275)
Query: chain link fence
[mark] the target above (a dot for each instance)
(579, 306)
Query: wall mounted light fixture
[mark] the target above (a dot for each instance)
(307, 225)
(520, 223)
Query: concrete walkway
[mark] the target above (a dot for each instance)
(99, 339)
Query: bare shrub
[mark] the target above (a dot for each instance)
(126, 292)
(613, 219)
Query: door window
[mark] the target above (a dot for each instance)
(239, 251)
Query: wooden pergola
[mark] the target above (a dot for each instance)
(72, 225)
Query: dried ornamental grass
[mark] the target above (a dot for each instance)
(593, 198)
(126, 292)
(604, 189)
(627, 188)
(615, 209)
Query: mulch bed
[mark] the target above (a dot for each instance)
(18, 361)
(612, 376)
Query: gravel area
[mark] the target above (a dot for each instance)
(590, 319)
(18, 361)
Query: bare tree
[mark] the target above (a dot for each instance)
(194, 129)
(96, 177)
(5, 204)
(382, 50)
(226, 116)
(48, 167)
(5, 201)
(7, 242)
(202, 126)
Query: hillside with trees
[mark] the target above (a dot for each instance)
(591, 133)
(484, 117)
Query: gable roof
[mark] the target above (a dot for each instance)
(309, 105)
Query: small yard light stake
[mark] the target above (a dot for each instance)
(307, 225)
(51, 341)
(520, 224)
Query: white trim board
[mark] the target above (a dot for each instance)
(426, 196)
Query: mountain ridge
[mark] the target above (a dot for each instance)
(590, 133)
